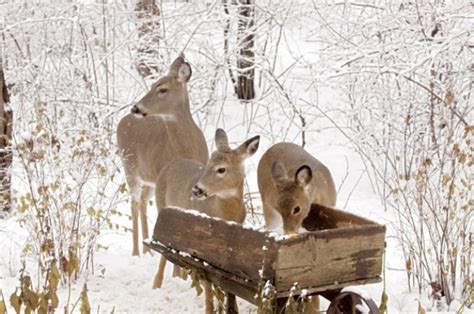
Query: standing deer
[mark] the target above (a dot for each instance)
(290, 180)
(160, 129)
(215, 188)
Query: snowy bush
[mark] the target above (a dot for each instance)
(406, 69)
(65, 161)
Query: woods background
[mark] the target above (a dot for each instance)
(393, 78)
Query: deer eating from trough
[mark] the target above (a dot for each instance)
(290, 180)
(215, 188)
(159, 129)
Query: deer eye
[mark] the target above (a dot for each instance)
(221, 170)
(296, 210)
(162, 90)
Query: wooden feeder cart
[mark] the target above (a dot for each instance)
(341, 250)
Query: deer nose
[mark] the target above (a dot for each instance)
(290, 229)
(198, 192)
(135, 110)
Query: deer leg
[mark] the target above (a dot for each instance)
(231, 305)
(135, 189)
(135, 251)
(143, 215)
(158, 280)
(176, 271)
(209, 305)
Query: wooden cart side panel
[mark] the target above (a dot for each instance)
(331, 258)
(343, 216)
(219, 243)
(226, 281)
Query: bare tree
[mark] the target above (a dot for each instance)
(148, 14)
(5, 144)
(246, 60)
(244, 83)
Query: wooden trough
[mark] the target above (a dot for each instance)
(341, 250)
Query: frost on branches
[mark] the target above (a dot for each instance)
(407, 70)
(64, 158)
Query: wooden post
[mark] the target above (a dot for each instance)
(5, 145)
(148, 14)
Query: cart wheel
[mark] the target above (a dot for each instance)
(352, 303)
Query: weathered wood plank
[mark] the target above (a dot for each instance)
(229, 282)
(222, 244)
(329, 258)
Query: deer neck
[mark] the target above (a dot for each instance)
(230, 205)
(180, 113)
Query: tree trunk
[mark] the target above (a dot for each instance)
(148, 14)
(5, 145)
(246, 59)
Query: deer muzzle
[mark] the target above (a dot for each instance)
(135, 110)
(198, 192)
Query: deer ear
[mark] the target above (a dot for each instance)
(249, 147)
(222, 143)
(184, 72)
(176, 65)
(278, 172)
(303, 175)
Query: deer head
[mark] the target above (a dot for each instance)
(168, 95)
(293, 195)
(224, 172)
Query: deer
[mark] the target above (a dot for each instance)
(290, 179)
(215, 188)
(158, 130)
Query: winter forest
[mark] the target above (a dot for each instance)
(380, 92)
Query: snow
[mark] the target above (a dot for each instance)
(278, 236)
(362, 309)
(26, 136)
(194, 212)
(185, 254)
(267, 289)
(120, 280)
(304, 293)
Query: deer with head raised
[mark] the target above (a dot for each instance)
(290, 180)
(159, 129)
(215, 188)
